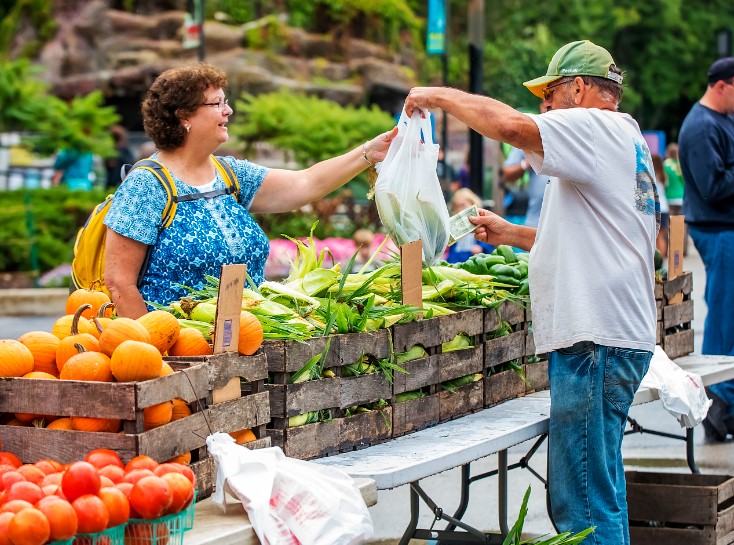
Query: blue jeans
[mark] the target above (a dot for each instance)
(592, 388)
(717, 252)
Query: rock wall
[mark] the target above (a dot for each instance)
(98, 47)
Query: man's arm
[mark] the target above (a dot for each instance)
(485, 115)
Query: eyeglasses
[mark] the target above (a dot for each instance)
(548, 91)
(220, 104)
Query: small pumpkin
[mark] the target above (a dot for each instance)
(92, 296)
(157, 415)
(87, 366)
(251, 334)
(83, 423)
(119, 331)
(60, 424)
(191, 342)
(42, 345)
(103, 317)
(68, 346)
(136, 361)
(243, 436)
(15, 358)
(180, 409)
(163, 328)
(62, 326)
(184, 459)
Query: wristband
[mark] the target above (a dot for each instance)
(364, 154)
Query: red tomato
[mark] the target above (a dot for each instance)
(150, 497)
(91, 513)
(79, 479)
(102, 457)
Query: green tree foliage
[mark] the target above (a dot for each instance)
(307, 129)
(25, 105)
(40, 15)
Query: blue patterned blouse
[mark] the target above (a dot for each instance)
(204, 235)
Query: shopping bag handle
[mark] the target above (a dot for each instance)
(405, 123)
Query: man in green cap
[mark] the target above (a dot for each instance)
(591, 268)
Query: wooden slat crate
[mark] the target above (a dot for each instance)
(429, 374)
(336, 395)
(195, 381)
(536, 365)
(674, 320)
(680, 509)
(501, 385)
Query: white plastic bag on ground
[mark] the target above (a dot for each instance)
(407, 191)
(681, 392)
(290, 501)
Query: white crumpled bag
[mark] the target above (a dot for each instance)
(408, 194)
(289, 501)
(681, 392)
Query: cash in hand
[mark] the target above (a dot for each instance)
(459, 224)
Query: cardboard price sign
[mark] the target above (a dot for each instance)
(229, 307)
(411, 271)
(676, 232)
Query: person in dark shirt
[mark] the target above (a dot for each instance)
(706, 153)
(113, 165)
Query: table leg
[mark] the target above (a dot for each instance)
(690, 451)
(414, 512)
(464, 501)
(502, 486)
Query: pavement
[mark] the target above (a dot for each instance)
(641, 451)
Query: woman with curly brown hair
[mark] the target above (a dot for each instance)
(185, 113)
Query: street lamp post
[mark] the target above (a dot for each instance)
(476, 46)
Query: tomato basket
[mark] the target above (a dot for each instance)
(167, 530)
(111, 536)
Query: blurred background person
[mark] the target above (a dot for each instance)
(123, 156)
(661, 242)
(73, 168)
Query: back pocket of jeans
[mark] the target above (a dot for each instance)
(623, 372)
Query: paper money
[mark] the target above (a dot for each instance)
(459, 224)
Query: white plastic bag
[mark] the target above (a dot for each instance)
(681, 392)
(407, 191)
(290, 501)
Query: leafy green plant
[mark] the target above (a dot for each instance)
(514, 537)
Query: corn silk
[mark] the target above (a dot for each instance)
(407, 191)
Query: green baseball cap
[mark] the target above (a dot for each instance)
(581, 58)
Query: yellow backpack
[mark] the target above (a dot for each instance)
(87, 267)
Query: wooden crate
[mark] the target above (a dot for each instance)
(194, 380)
(674, 320)
(536, 365)
(680, 509)
(500, 384)
(336, 395)
(429, 374)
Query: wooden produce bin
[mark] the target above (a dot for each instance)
(675, 315)
(680, 509)
(342, 433)
(500, 384)
(536, 366)
(195, 380)
(430, 374)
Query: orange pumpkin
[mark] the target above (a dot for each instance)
(157, 415)
(15, 358)
(40, 374)
(163, 328)
(166, 369)
(93, 297)
(62, 326)
(120, 330)
(69, 346)
(42, 345)
(82, 423)
(191, 342)
(135, 360)
(243, 436)
(180, 409)
(60, 424)
(251, 334)
(184, 459)
(88, 366)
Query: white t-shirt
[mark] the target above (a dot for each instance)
(591, 267)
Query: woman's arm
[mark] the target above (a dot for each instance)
(284, 190)
(124, 258)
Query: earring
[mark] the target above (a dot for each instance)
(188, 128)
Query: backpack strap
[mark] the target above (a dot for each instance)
(227, 174)
(163, 175)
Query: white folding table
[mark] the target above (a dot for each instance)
(458, 443)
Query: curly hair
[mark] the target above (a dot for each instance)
(175, 95)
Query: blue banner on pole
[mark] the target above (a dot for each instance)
(436, 27)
